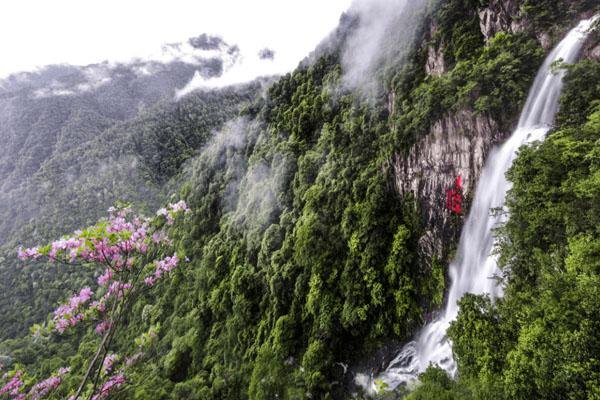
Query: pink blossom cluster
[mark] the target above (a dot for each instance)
(69, 246)
(118, 289)
(70, 314)
(113, 383)
(121, 238)
(109, 362)
(162, 267)
(119, 224)
(179, 206)
(172, 209)
(99, 306)
(13, 387)
(120, 244)
(32, 253)
(106, 277)
(118, 255)
(46, 386)
(166, 265)
(102, 327)
(161, 237)
(113, 246)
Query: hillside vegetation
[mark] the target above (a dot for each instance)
(303, 257)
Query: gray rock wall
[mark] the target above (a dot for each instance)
(456, 145)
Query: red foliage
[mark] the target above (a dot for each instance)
(454, 197)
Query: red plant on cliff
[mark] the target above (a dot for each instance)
(454, 197)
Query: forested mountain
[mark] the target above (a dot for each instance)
(77, 139)
(324, 216)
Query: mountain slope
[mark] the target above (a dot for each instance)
(320, 233)
(70, 156)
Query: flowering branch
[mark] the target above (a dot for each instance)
(127, 247)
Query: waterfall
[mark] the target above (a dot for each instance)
(475, 266)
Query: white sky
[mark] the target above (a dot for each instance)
(41, 32)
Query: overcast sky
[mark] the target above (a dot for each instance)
(40, 32)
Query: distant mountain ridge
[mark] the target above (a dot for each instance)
(77, 139)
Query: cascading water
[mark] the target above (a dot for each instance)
(474, 268)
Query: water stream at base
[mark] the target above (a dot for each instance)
(475, 266)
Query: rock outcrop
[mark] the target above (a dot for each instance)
(593, 53)
(591, 49)
(456, 145)
(499, 16)
(435, 64)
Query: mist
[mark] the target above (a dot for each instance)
(258, 202)
(377, 41)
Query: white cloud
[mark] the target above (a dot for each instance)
(40, 32)
(246, 68)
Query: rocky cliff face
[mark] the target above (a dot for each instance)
(500, 16)
(509, 16)
(506, 16)
(435, 64)
(456, 146)
(591, 49)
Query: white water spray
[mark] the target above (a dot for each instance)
(474, 268)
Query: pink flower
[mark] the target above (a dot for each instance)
(102, 327)
(46, 386)
(105, 277)
(179, 206)
(114, 382)
(162, 267)
(139, 234)
(166, 265)
(150, 281)
(171, 209)
(67, 315)
(32, 253)
(99, 306)
(14, 385)
(61, 325)
(71, 245)
(83, 297)
(159, 236)
(119, 288)
(124, 212)
(76, 319)
(142, 248)
(109, 362)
